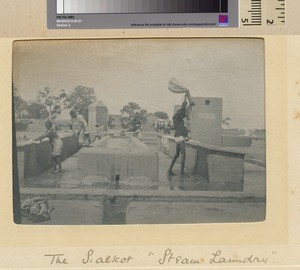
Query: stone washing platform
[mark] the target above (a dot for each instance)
(213, 163)
(118, 158)
(80, 197)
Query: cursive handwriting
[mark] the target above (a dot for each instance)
(57, 258)
(91, 258)
(169, 257)
(218, 258)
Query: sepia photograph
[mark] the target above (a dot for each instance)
(139, 131)
(149, 136)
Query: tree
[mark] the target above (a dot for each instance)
(139, 117)
(80, 99)
(125, 122)
(130, 108)
(20, 105)
(162, 115)
(54, 104)
(225, 122)
(37, 110)
(133, 114)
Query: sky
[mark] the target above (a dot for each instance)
(139, 70)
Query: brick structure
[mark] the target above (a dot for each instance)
(206, 124)
(98, 114)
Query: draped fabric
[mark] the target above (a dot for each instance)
(176, 87)
(189, 112)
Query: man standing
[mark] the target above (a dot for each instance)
(181, 133)
(82, 133)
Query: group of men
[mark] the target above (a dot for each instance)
(164, 126)
(181, 135)
(82, 135)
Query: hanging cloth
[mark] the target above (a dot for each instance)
(176, 87)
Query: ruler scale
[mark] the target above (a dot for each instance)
(275, 13)
(262, 13)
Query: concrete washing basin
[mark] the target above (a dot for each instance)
(119, 158)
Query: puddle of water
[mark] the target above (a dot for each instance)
(211, 187)
(127, 187)
(114, 211)
(182, 184)
(51, 183)
(196, 184)
(115, 218)
(108, 186)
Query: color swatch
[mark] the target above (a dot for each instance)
(140, 6)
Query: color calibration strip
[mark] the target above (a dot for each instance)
(140, 6)
(122, 14)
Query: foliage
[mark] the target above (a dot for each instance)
(130, 108)
(162, 115)
(48, 104)
(80, 99)
(20, 105)
(37, 110)
(138, 118)
(132, 115)
(125, 122)
(52, 103)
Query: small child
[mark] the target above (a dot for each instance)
(56, 143)
(56, 153)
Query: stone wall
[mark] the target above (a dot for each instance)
(206, 123)
(236, 141)
(34, 159)
(216, 164)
